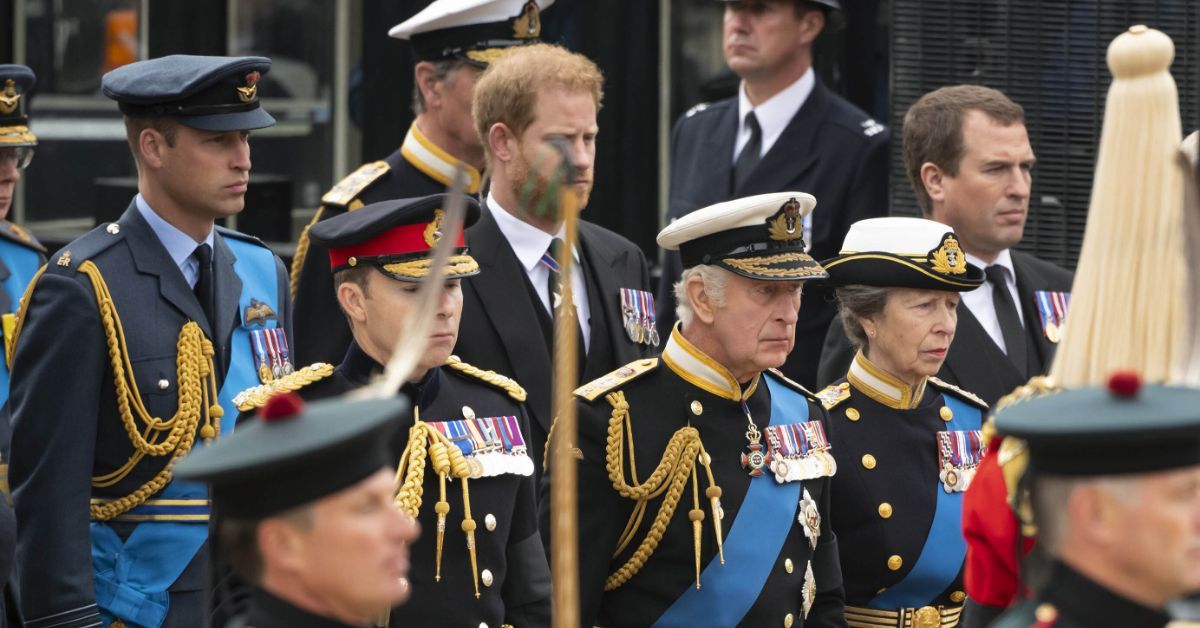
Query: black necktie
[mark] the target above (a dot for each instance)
(204, 282)
(748, 159)
(1010, 321)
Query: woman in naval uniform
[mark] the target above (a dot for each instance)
(906, 443)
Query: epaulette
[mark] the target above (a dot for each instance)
(695, 110)
(605, 383)
(794, 384)
(833, 395)
(230, 233)
(88, 246)
(507, 384)
(354, 183)
(958, 392)
(18, 234)
(255, 397)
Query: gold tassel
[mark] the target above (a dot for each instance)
(697, 517)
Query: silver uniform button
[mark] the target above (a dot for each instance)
(486, 577)
(163, 384)
(483, 624)
(113, 228)
(468, 413)
(489, 522)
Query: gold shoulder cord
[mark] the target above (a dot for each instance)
(302, 245)
(197, 400)
(506, 384)
(425, 441)
(10, 340)
(678, 464)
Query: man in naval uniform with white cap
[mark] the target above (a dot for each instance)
(453, 41)
(732, 528)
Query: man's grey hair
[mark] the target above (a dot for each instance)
(441, 71)
(1052, 492)
(714, 278)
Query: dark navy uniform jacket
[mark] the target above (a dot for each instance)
(830, 149)
(322, 333)
(887, 483)
(506, 539)
(974, 361)
(661, 401)
(505, 327)
(1072, 600)
(66, 425)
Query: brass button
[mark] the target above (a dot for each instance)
(852, 414)
(868, 461)
(489, 522)
(647, 362)
(957, 597)
(353, 261)
(113, 228)
(468, 413)
(844, 385)
(885, 510)
(697, 407)
(926, 617)
(895, 562)
(1046, 613)
(946, 413)
(787, 620)
(787, 565)
(163, 384)
(486, 577)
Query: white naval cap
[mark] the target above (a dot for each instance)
(903, 252)
(760, 237)
(476, 31)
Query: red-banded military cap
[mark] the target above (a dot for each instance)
(397, 237)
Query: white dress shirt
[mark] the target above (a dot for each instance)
(529, 244)
(180, 246)
(979, 301)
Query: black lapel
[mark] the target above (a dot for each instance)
(511, 315)
(791, 155)
(151, 257)
(608, 267)
(717, 181)
(1027, 281)
(229, 289)
(975, 363)
(6, 301)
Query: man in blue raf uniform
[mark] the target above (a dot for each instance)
(785, 130)
(1115, 475)
(305, 496)
(453, 42)
(732, 529)
(136, 338)
(20, 257)
(482, 563)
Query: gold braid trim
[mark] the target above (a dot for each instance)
(762, 265)
(302, 251)
(257, 396)
(197, 402)
(10, 339)
(668, 479)
(506, 384)
(424, 441)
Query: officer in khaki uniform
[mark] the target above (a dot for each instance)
(136, 338)
(467, 468)
(705, 474)
(453, 41)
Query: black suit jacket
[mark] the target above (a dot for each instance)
(830, 149)
(975, 362)
(66, 422)
(500, 329)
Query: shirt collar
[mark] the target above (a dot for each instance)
(526, 240)
(776, 112)
(434, 161)
(1004, 260)
(703, 372)
(179, 245)
(882, 386)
